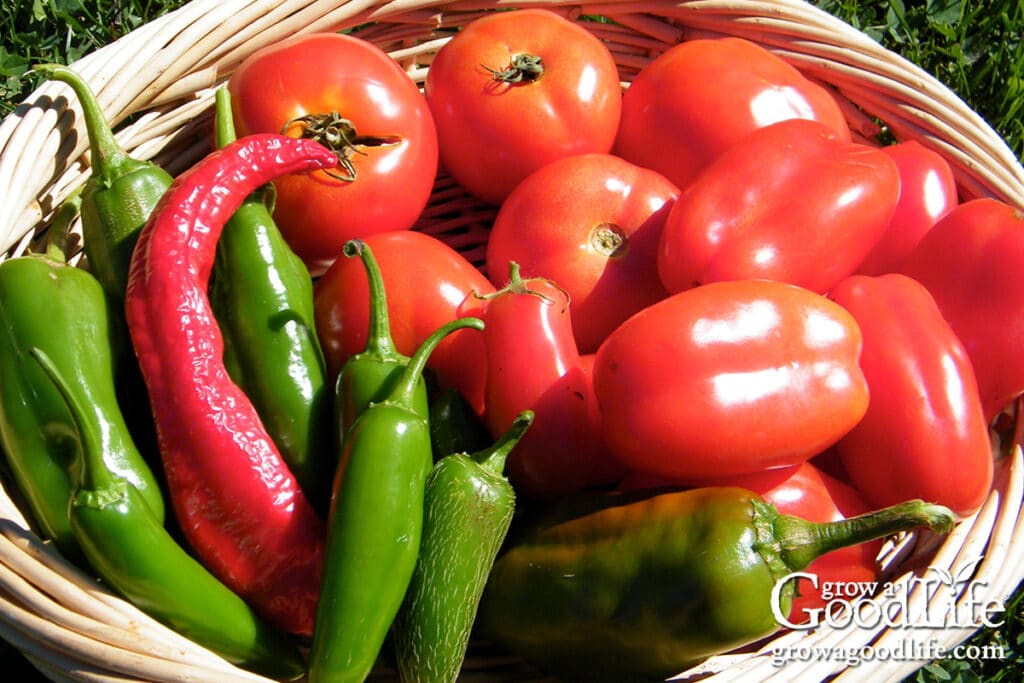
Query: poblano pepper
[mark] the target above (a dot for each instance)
(49, 304)
(131, 551)
(641, 587)
(468, 509)
(262, 297)
(375, 525)
(119, 196)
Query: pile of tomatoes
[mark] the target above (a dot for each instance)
(704, 277)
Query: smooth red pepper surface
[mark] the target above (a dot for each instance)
(972, 261)
(533, 364)
(239, 507)
(924, 434)
(791, 202)
(729, 378)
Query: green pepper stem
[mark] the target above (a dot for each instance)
(105, 152)
(95, 475)
(57, 247)
(801, 542)
(404, 392)
(493, 458)
(379, 342)
(224, 122)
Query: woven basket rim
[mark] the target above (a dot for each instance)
(164, 75)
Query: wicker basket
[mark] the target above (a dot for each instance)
(165, 74)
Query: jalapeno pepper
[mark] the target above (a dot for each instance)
(262, 296)
(46, 303)
(131, 551)
(454, 426)
(119, 196)
(638, 588)
(467, 513)
(375, 525)
(373, 373)
(239, 506)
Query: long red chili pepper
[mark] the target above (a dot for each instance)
(239, 506)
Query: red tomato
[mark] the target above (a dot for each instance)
(730, 378)
(499, 119)
(925, 421)
(591, 223)
(927, 193)
(428, 284)
(792, 202)
(700, 97)
(533, 363)
(971, 262)
(348, 85)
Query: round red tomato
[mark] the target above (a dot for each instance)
(427, 284)
(730, 378)
(354, 98)
(701, 96)
(591, 223)
(516, 90)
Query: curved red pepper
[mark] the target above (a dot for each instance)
(238, 505)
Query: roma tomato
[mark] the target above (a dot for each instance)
(925, 421)
(793, 202)
(350, 95)
(927, 193)
(702, 96)
(591, 223)
(428, 284)
(971, 262)
(730, 378)
(533, 363)
(515, 90)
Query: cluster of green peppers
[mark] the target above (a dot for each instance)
(419, 548)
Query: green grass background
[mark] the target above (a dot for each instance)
(974, 47)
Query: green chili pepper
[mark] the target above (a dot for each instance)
(119, 196)
(375, 525)
(639, 588)
(454, 425)
(468, 509)
(262, 297)
(46, 303)
(130, 550)
(372, 374)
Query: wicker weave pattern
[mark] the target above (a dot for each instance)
(165, 74)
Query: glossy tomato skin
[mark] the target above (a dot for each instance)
(971, 262)
(427, 284)
(924, 434)
(700, 97)
(591, 223)
(927, 193)
(394, 173)
(810, 208)
(730, 378)
(533, 363)
(493, 134)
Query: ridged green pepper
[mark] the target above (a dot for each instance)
(119, 196)
(46, 303)
(262, 297)
(640, 587)
(375, 526)
(468, 508)
(131, 551)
